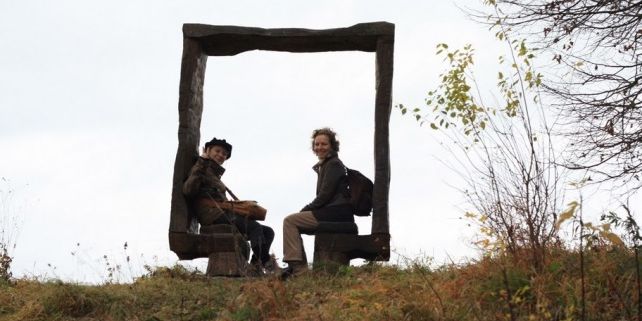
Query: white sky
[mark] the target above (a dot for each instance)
(89, 120)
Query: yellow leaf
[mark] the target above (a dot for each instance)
(590, 226)
(612, 237)
(567, 214)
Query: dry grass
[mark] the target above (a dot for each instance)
(487, 289)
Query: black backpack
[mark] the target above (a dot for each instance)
(360, 188)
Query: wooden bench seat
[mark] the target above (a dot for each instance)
(336, 243)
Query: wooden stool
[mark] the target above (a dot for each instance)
(230, 259)
(330, 243)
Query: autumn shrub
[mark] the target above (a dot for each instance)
(5, 264)
(556, 293)
(8, 229)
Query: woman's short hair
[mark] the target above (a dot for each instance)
(334, 143)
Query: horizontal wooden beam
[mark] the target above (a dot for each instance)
(232, 40)
(189, 246)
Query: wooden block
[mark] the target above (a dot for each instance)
(339, 249)
(329, 261)
(226, 264)
(231, 261)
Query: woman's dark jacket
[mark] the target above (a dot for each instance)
(332, 202)
(204, 181)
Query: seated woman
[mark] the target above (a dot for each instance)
(332, 202)
(204, 183)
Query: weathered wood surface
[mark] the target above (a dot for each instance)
(370, 247)
(191, 246)
(202, 40)
(229, 263)
(330, 262)
(190, 111)
(383, 106)
(232, 40)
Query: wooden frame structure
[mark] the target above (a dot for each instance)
(201, 41)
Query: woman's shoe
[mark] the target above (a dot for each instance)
(295, 268)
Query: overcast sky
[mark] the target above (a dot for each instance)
(89, 120)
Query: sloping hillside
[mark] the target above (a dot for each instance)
(487, 289)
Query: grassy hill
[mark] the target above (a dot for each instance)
(499, 288)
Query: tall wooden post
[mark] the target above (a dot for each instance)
(383, 106)
(190, 111)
